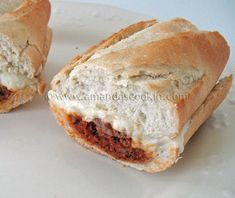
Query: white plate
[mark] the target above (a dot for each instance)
(37, 159)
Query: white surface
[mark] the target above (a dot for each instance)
(207, 14)
(38, 160)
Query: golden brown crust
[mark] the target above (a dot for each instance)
(18, 97)
(42, 84)
(122, 34)
(198, 51)
(30, 22)
(213, 100)
(215, 97)
(47, 44)
(206, 52)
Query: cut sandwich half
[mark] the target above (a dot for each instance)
(25, 39)
(139, 96)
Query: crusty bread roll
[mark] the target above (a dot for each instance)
(25, 39)
(139, 96)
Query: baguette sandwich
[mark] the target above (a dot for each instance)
(139, 96)
(25, 39)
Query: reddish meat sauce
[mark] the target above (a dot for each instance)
(4, 93)
(116, 144)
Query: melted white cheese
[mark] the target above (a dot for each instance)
(15, 80)
(91, 112)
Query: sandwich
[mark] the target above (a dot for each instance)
(139, 96)
(25, 39)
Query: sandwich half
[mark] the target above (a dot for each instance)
(25, 39)
(139, 96)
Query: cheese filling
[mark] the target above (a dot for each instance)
(157, 142)
(17, 80)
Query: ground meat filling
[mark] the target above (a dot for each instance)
(4, 93)
(109, 140)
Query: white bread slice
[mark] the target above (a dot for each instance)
(172, 63)
(25, 40)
